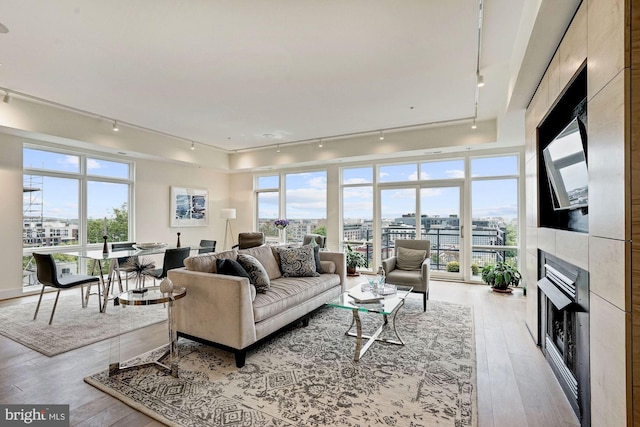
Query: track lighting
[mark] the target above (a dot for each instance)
(115, 126)
(381, 135)
(474, 126)
(193, 145)
(7, 98)
(480, 80)
(278, 148)
(320, 143)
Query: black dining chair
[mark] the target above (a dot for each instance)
(207, 246)
(123, 264)
(47, 274)
(173, 258)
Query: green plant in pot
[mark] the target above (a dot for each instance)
(354, 260)
(501, 277)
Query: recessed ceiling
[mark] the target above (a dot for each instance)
(243, 74)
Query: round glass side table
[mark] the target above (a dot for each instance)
(152, 296)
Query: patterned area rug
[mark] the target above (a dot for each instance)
(73, 326)
(306, 376)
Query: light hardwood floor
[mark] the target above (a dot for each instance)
(515, 385)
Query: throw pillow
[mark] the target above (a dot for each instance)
(257, 274)
(231, 267)
(409, 259)
(264, 254)
(316, 257)
(328, 267)
(298, 262)
(204, 263)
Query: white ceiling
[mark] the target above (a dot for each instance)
(227, 73)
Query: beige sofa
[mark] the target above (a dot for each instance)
(226, 311)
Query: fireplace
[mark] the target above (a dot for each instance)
(564, 328)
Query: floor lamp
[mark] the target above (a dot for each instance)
(227, 214)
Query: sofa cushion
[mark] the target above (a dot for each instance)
(328, 267)
(264, 254)
(409, 259)
(287, 292)
(257, 274)
(297, 262)
(206, 263)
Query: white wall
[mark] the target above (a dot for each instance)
(11, 216)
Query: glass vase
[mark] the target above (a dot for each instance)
(282, 236)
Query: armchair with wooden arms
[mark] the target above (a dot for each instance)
(410, 266)
(249, 240)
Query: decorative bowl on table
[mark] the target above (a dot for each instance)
(149, 246)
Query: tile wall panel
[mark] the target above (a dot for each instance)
(573, 247)
(531, 192)
(605, 42)
(553, 81)
(532, 294)
(608, 276)
(547, 240)
(608, 326)
(573, 48)
(608, 170)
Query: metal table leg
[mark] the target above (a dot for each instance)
(362, 349)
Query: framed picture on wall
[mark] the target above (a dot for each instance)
(189, 207)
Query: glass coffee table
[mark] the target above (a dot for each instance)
(387, 305)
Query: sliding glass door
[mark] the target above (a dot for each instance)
(427, 212)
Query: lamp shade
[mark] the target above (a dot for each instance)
(229, 213)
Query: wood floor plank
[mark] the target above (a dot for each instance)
(509, 367)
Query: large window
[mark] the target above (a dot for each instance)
(71, 199)
(467, 206)
(268, 204)
(357, 210)
(304, 203)
(494, 201)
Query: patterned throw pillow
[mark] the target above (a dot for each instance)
(316, 257)
(257, 274)
(298, 262)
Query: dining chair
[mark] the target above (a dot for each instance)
(47, 274)
(207, 246)
(123, 264)
(173, 258)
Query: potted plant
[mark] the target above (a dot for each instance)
(501, 276)
(354, 260)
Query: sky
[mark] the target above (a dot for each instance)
(305, 192)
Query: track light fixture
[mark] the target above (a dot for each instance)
(381, 135)
(193, 145)
(6, 99)
(115, 126)
(278, 148)
(473, 125)
(480, 80)
(320, 143)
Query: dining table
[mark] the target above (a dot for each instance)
(98, 259)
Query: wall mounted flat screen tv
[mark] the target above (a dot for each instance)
(566, 165)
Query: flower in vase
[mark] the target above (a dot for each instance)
(281, 224)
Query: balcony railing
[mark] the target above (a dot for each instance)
(445, 246)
